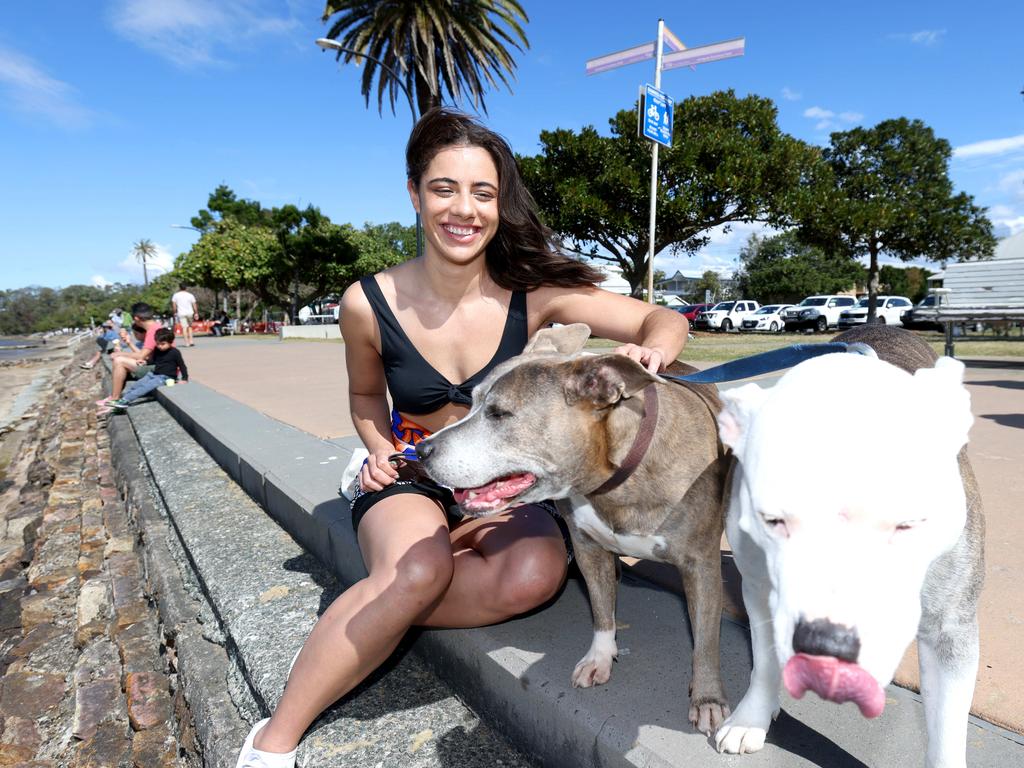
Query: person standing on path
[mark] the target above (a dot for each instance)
(490, 271)
(184, 304)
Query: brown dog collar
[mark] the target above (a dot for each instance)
(641, 442)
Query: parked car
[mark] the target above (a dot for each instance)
(725, 315)
(817, 312)
(888, 310)
(911, 320)
(690, 311)
(767, 318)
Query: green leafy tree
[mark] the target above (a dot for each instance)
(224, 204)
(231, 257)
(782, 269)
(729, 163)
(890, 192)
(427, 46)
(709, 284)
(144, 250)
(911, 282)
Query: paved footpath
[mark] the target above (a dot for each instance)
(86, 680)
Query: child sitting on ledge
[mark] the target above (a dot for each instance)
(167, 363)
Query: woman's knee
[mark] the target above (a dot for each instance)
(423, 573)
(531, 576)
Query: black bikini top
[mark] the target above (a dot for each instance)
(415, 386)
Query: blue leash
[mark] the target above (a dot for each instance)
(769, 362)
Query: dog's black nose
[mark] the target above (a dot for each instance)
(821, 637)
(424, 449)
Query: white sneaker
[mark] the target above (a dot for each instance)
(250, 757)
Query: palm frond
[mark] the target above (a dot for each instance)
(441, 46)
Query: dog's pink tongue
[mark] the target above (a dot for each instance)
(834, 680)
(493, 495)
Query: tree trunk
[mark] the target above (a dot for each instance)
(145, 274)
(872, 281)
(424, 98)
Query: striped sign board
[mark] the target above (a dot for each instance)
(702, 54)
(633, 55)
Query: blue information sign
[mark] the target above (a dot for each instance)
(655, 115)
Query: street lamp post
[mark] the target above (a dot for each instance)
(328, 44)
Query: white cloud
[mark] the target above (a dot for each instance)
(157, 264)
(721, 254)
(1012, 182)
(790, 95)
(99, 281)
(189, 33)
(828, 120)
(1014, 225)
(927, 36)
(32, 91)
(990, 147)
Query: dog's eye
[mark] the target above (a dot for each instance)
(907, 525)
(495, 413)
(775, 523)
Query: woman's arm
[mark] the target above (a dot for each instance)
(651, 335)
(367, 388)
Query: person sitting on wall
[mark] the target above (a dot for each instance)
(168, 366)
(221, 323)
(136, 364)
(106, 340)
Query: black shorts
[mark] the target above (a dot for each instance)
(365, 499)
(423, 487)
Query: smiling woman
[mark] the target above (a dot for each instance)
(427, 332)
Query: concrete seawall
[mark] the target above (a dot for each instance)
(516, 675)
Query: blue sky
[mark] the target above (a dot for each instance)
(119, 117)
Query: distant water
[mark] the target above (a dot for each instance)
(12, 348)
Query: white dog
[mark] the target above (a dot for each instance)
(848, 554)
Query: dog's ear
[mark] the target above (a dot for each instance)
(739, 406)
(605, 379)
(560, 340)
(945, 404)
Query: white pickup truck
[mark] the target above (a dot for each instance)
(726, 315)
(817, 312)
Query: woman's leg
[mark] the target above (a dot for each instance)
(505, 565)
(502, 566)
(408, 554)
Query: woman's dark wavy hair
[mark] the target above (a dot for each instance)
(523, 254)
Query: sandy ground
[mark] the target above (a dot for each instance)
(23, 387)
(304, 384)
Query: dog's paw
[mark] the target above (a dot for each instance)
(707, 716)
(739, 739)
(592, 670)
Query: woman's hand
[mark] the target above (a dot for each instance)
(650, 358)
(377, 471)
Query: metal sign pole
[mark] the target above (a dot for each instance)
(654, 170)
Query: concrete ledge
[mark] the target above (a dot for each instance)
(517, 674)
(261, 594)
(331, 331)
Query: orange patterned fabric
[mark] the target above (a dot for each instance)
(405, 434)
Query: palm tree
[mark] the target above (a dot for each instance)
(424, 45)
(143, 250)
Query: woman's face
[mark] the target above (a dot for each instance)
(457, 201)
